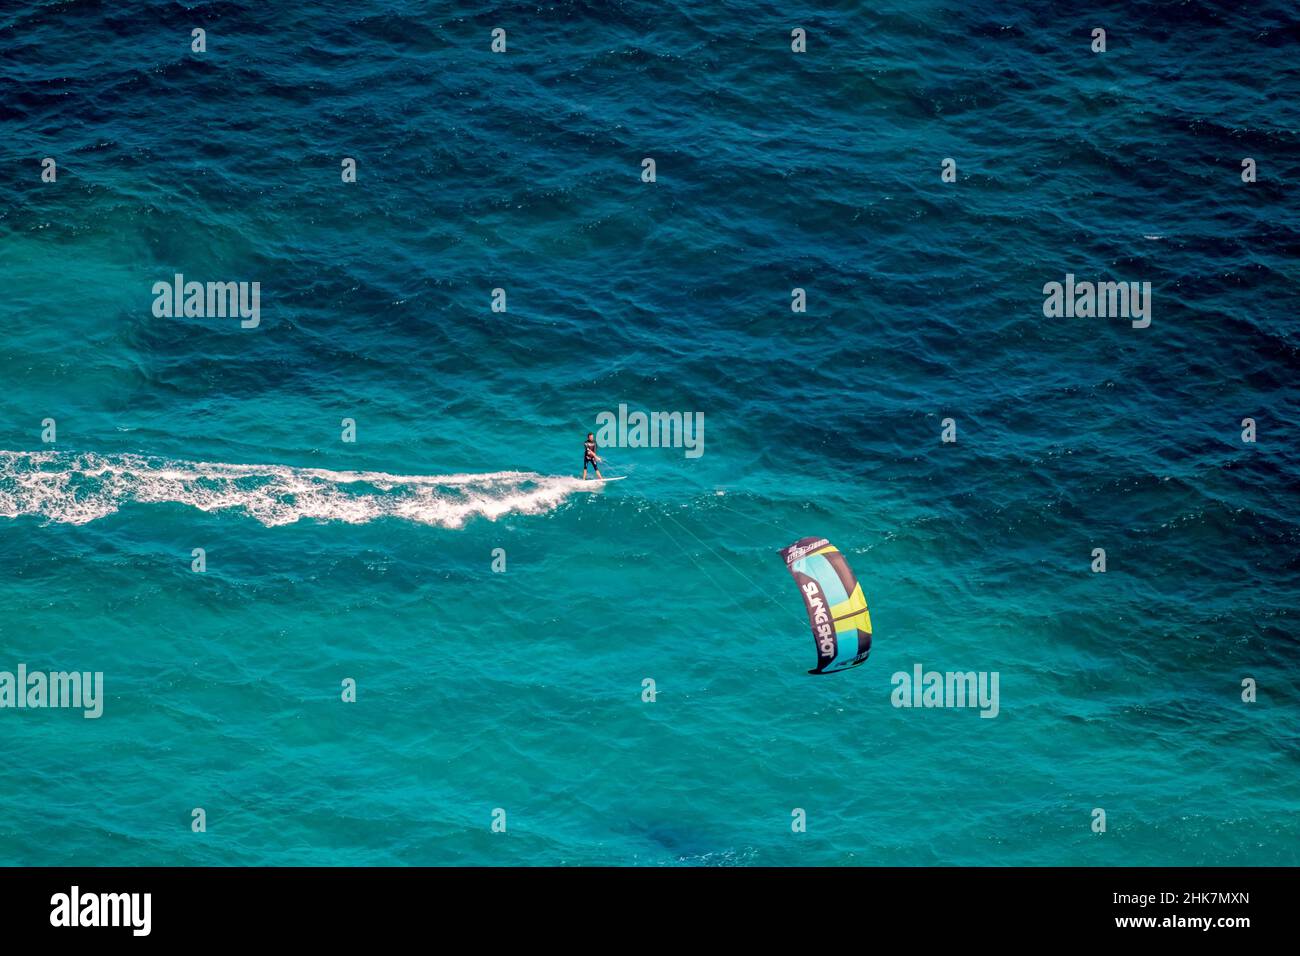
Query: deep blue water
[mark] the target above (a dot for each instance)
(522, 690)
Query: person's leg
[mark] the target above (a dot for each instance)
(598, 475)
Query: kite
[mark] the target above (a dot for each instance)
(837, 609)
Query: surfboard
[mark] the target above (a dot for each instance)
(602, 481)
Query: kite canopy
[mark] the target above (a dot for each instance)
(837, 610)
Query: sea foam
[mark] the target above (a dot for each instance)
(77, 488)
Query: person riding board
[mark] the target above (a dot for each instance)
(589, 456)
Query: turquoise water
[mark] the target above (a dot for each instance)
(522, 690)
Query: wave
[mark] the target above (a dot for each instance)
(77, 488)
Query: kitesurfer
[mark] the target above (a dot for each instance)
(589, 457)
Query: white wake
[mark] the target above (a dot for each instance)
(74, 488)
